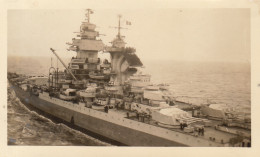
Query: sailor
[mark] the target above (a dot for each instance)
(137, 116)
(142, 117)
(181, 125)
(202, 131)
(185, 125)
(116, 106)
(119, 105)
(106, 109)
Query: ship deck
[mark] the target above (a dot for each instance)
(210, 133)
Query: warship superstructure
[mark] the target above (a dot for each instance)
(114, 99)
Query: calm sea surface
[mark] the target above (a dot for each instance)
(190, 81)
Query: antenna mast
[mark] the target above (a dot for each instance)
(89, 11)
(119, 27)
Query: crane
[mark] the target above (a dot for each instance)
(63, 64)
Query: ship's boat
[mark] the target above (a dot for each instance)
(152, 88)
(153, 95)
(68, 81)
(101, 101)
(61, 81)
(139, 80)
(137, 90)
(97, 76)
(164, 86)
(68, 94)
(77, 82)
(90, 92)
(24, 87)
(111, 86)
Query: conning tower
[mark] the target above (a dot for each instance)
(87, 47)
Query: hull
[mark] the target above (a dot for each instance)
(120, 129)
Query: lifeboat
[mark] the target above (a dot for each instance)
(152, 88)
(164, 86)
(95, 76)
(90, 92)
(69, 94)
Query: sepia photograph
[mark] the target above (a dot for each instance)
(165, 77)
(129, 78)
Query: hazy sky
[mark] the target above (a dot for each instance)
(177, 34)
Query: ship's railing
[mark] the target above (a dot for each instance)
(137, 90)
(78, 60)
(74, 66)
(73, 48)
(89, 34)
(93, 60)
(114, 49)
(105, 65)
(87, 94)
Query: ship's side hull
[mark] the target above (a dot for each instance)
(110, 130)
(119, 129)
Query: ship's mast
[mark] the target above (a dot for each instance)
(89, 11)
(119, 27)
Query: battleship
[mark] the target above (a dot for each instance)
(116, 100)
